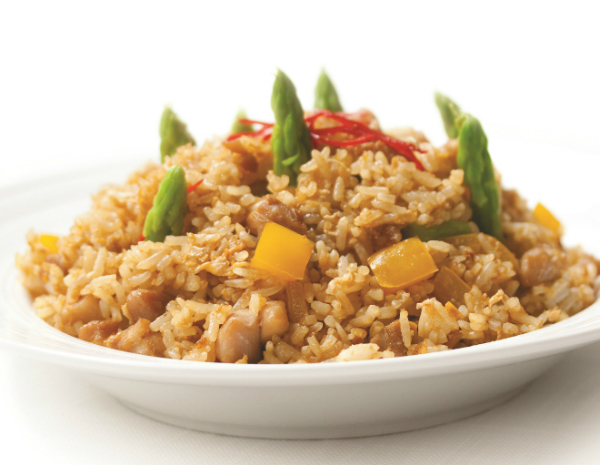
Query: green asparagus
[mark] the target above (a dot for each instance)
(474, 159)
(166, 216)
(326, 97)
(450, 112)
(437, 232)
(290, 141)
(173, 134)
(237, 126)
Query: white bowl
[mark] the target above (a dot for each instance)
(331, 400)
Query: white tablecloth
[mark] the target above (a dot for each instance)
(49, 415)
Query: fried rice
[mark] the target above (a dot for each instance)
(174, 299)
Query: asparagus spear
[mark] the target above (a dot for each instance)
(450, 112)
(173, 134)
(237, 126)
(431, 233)
(326, 97)
(474, 159)
(290, 142)
(166, 216)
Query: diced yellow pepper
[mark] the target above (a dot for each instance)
(402, 264)
(49, 242)
(449, 287)
(282, 252)
(546, 219)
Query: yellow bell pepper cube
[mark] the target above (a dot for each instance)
(282, 252)
(402, 264)
(545, 218)
(49, 242)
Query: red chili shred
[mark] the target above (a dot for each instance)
(360, 132)
(192, 188)
(141, 238)
(263, 133)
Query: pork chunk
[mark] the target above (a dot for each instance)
(54, 259)
(138, 339)
(143, 303)
(390, 338)
(98, 332)
(386, 235)
(239, 336)
(274, 320)
(271, 209)
(85, 310)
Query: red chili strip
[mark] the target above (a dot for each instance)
(251, 121)
(337, 130)
(264, 133)
(316, 115)
(141, 238)
(192, 188)
(360, 131)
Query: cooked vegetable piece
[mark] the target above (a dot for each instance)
(402, 264)
(49, 242)
(465, 240)
(166, 216)
(326, 97)
(437, 232)
(282, 252)
(474, 159)
(492, 245)
(449, 287)
(173, 134)
(290, 142)
(450, 112)
(297, 308)
(546, 219)
(238, 127)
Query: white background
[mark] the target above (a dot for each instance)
(83, 83)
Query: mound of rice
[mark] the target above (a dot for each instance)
(353, 202)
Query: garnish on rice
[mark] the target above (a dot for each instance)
(173, 134)
(354, 133)
(326, 97)
(169, 209)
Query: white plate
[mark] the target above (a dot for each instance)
(331, 400)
